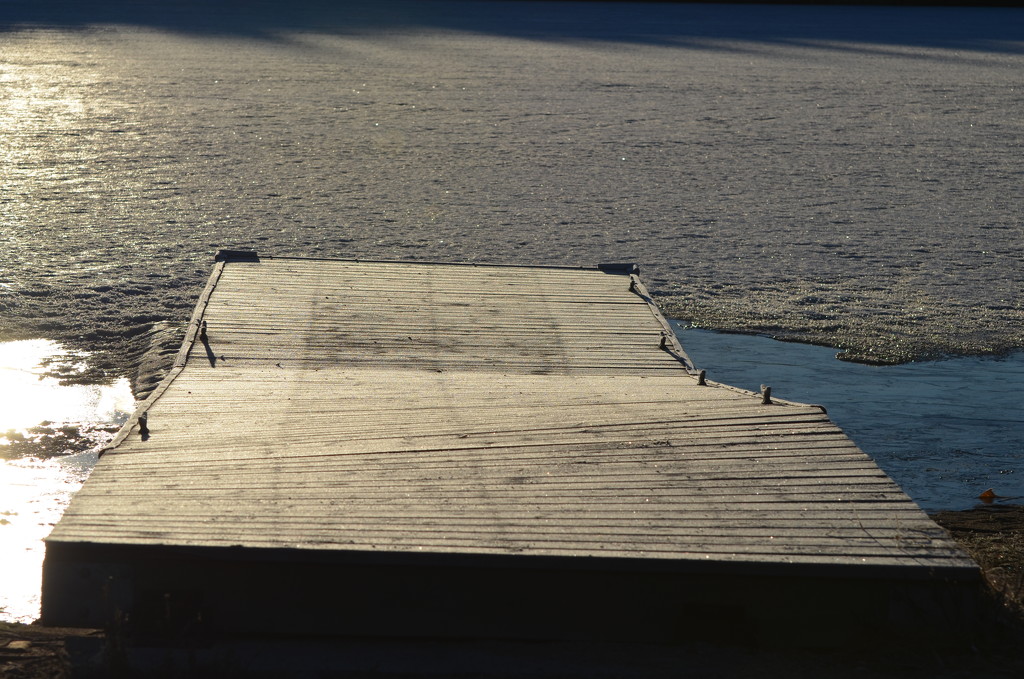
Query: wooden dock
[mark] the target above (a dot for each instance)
(406, 450)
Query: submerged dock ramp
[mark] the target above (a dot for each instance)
(407, 451)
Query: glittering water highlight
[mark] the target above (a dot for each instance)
(49, 436)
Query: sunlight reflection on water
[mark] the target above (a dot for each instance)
(29, 397)
(33, 495)
(49, 434)
(944, 430)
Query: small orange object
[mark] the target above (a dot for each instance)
(988, 496)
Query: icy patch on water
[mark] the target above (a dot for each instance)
(946, 431)
(49, 437)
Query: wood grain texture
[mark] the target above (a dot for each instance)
(409, 408)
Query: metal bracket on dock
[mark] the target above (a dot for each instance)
(622, 268)
(236, 256)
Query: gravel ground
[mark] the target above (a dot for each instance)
(848, 176)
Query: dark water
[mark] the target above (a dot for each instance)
(944, 430)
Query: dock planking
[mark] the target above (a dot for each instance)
(537, 431)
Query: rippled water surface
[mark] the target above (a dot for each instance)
(848, 175)
(944, 430)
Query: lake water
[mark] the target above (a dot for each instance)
(944, 430)
(843, 175)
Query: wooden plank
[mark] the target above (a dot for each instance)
(390, 407)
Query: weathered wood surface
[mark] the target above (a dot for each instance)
(410, 408)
